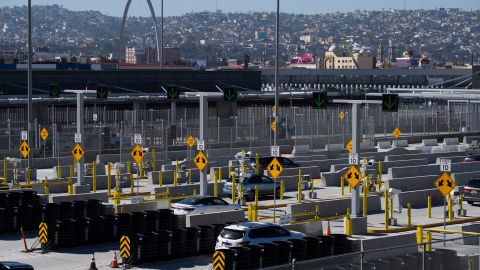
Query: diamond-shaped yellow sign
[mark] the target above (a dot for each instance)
(78, 152)
(44, 134)
(190, 141)
(275, 168)
(137, 154)
(342, 115)
(24, 149)
(353, 176)
(349, 146)
(445, 184)
(200, 160)
(273, 126)
(396, 133)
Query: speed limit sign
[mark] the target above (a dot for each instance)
(353, 159)
(445, 165)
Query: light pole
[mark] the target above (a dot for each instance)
(277, 42)
(161, 37)
(29, 89)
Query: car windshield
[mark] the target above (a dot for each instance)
(474, 183)
(192, 200)
(231, 234)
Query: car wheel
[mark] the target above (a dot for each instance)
(471, 203)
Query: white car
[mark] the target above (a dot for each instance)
(201, 205)
(254, 233)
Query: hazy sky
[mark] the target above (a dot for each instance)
(178, 7)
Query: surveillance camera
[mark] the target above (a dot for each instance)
(394, 191)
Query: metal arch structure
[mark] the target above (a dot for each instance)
(124, 21)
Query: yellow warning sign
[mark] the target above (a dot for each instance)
(24, 149)
(353, 176)
(137, 154)
(275, 168)
(43, 233)
(125, 247)
(44, 134)
(445, 184)
(200, 160)
(349, 146)
(396, 133)
(218, 261)
(273, 126)
(342, 115)
(190, 141)
(78, 152)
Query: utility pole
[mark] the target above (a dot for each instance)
(277, 45)
(29, 89)
(161, 36)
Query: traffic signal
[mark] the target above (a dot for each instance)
(230, 94)
(102, 92)
(54, 90)
(319, 100)
(173, 93)
(390, 102)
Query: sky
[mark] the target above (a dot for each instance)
(179, 7)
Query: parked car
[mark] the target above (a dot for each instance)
(202, 204)
(253, 233)
(15, 265)
(264, 161)
(471, 191)
(248, 181)
(472, 157)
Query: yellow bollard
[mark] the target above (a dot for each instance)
(365, 196)
(257, 163)
(317, 211)
(28, 176)
(109, 180)
(132, 184)
(380, 175)
(5, 173)
(59, 171)
(256, 204)
(342, 186)
(419, 236)
(299, 186)
(116, 196)
(176, 165)
(234, 190)
(429, 206)
(312, 185)
(154, 159)
(140, 169)
(194, 192)
(70, 187)
(428, 241)
(348, 224)
(189, 176)
(282, 189)
(215, 184)
(391, 207)
(175, 178)
(129, 167)
(250, 208)
(409, 214)
(450, 208)
(160, 178)
(117, 179)
(47, 189)
(229, 170)
(386, 209)
(94, 176)
(240, 193)
(460, 202)
(349, 188)
(220, 174)
(15, 172)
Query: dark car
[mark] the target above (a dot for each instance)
(265, 184)
(264, 161)
(471, 191)
(472, 158)
(15, 265)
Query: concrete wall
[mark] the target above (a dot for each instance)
(313, 171)
(215, 218)
(332, 179)
(331, 207)
(184, 190)
(141, 207)
(432, 157)
(102, 196)
(410, 171)
(418, 198)
(463, 178)
(386, 165)
(387, 242)
(412, 183)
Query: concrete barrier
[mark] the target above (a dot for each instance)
(314, 228)
(386, 165)
(329, 208)
(215, 218)
(332, 179)
(451, 141)
(167, 177)
(432, 169)
(418, 198)
(454, 159)
(432, 157)
(315, 156)
(44, 163)
(384, 145)
(185, 190)
(313, 171)
(141, 207)
(323, 165)
(429, 142)
(469, 239)
(400, 143)
(412, 183)
(300, 149)
(102, 196)
(388, 244)
(334, 147)
(462, 178)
